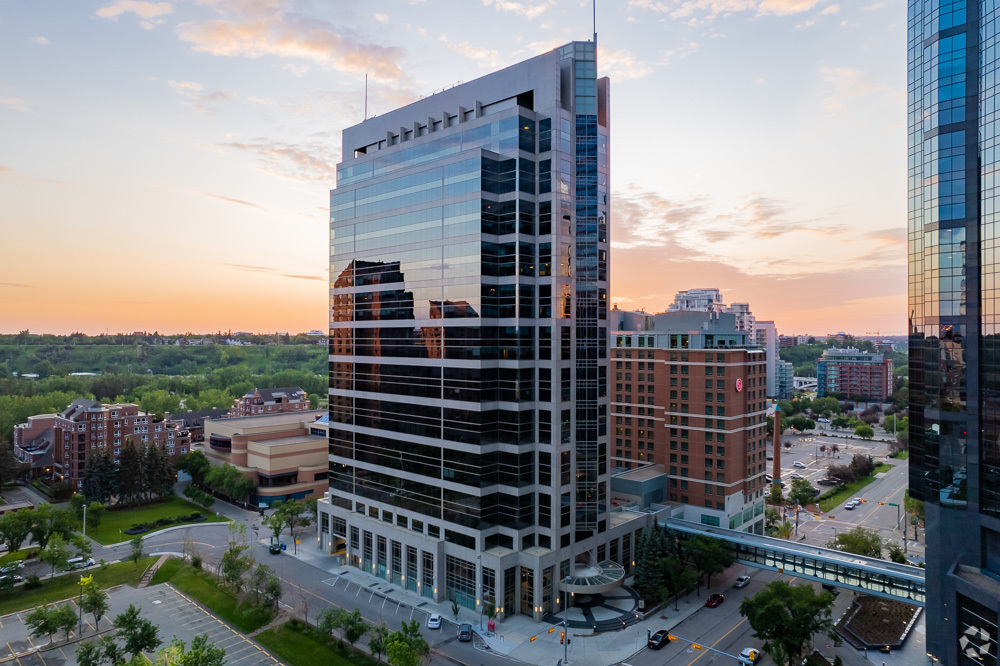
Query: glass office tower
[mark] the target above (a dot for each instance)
(955, 320)
(468, 339)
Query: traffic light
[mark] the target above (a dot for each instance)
(881, 503)
(671, 637)
(562, 637)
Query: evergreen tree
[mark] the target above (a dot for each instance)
(100, 478)
(131, 475)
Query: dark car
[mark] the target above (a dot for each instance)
(714, 600)
(658, 640)
(465, 632)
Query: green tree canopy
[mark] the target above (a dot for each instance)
(787, 616)
(859, 541)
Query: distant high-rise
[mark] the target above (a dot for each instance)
(468, 340)
(954, 317)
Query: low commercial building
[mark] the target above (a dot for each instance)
(285, 454)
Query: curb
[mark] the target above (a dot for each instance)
(170, 529)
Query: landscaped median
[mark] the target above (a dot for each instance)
(300, 644)
(115, 522)
(66, 586)
(209, 591)
(839, 495)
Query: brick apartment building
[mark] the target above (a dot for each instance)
(850, 372)
(688, 395)
(57, 445)
(271, 401)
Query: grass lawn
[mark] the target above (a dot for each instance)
(16, 555)
(835, 497)
(67, 585)
(114, 523)
(299, 644)
(902, 455)
(208, 590)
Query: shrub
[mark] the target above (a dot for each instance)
(32, 582)
(196, 560)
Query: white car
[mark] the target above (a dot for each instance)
(742, 581)
(434, 621)
(800, 465)
(749, 655)
(850, 505)
(796, 475)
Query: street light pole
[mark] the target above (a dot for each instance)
(84, 521)
(479, 558)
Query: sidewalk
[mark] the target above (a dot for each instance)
(513, 635)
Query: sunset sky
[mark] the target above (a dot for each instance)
(166, 165)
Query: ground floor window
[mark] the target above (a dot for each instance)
(460, 581)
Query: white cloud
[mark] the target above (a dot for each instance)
(845, 84)
(621, 65)
(146, 10)
(13, 103)
(190, 86)
(40, 40)
(527, 10)
(832, 9)
(381, 18)
(485, 57)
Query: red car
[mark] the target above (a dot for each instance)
(714, 600)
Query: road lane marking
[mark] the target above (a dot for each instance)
(704, 652)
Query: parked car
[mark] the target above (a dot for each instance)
(832, 589)
(465, 632)
(749, 655)
(770, 457)
(796, 475)
(434, 621)
(742, 581)
(822, 420)
(658, 640)
(827, 482)
(12, 567)
(714, 600)
(799, 464)
(79, 562)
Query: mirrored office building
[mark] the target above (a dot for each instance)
(954, 319)
(468, 340)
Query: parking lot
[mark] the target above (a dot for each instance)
(174, 613)
(813, 463)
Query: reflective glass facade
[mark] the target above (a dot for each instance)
(468, 325)
(954, 336)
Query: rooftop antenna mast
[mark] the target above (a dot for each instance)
(366, 95)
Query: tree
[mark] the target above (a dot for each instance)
(90, 654)
(100, 477)
(653, 546)
(858, 541)
(201, 653)
(801, 492)
(47, 521)
(235, 560)
(93, 599)
(138, 633)
(842, 474)
(55, 554)
(784, 530)
(802, 423)
(76, 503)
(840, 422)
(677, 577)
(295, 516)
(709, 556)
(862, 465)
(835, 449)
(64, 617)
(135, 551)
(786, 616)
(131, 474)
(159, 471)
(378, 638)
(774, 496)
(406, 647)
(95, 511)
(771, 517)
(11, 468)
(864, 431)
(896, 553)
(42, 622)
(264, 587)
(15, 526)
(82, 545)
(352, 624)
(276, 521)
(196, 464)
